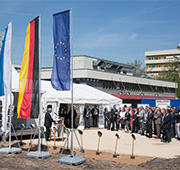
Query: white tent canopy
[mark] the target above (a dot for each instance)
(15, 80)
(81, 94)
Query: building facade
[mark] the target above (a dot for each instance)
(158, 61)
(116, 79)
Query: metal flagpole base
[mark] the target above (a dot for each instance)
(72, 160)
(11, 150)
(38, 154)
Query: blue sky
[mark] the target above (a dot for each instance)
(117, 30)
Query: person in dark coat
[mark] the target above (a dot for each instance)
(95, 115)
(173, 122)
(87, 116)
(150, 117)
(106, 118)
(136, 121)
(127, 120)
(111, 120)
(48, 123)
(116, 117)
(167, 126)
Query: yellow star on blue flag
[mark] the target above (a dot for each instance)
(60, 78)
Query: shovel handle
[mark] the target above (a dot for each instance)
(116, 145)
(54, 137)
(98, 144)
(133, 147)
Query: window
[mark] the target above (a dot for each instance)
(153, 66)
(156, 58)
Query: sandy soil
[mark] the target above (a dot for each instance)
(149, 154)
(103, 161)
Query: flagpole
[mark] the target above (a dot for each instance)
(71, 160)
(10, 115)
(39, 153)
(39, 134)
(72, 110)
(10, 149)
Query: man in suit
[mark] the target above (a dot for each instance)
(150, 117)
(162, 120)
(106, 117)
(116, 117)
(167, 126)
(157, 121)
(95, 115)
(173, 122)
(48, 123)
(87, 116)
(134, 121)
(112, 118)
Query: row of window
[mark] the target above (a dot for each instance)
(156, 58)
(160, 65)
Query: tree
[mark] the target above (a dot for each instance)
(171, 73)
(138, 67)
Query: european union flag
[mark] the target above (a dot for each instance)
(60, 78)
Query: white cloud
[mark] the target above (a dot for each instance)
(133, 36)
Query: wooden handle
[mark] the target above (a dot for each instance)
(54, 137)
(133, 147)
(98, 144)
(116, 145)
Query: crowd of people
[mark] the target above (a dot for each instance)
(163, 123)
(95, 115)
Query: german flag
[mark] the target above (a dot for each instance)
(28, 101)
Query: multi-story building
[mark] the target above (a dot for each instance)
(1, 39)
(158, 61)
(117, 79)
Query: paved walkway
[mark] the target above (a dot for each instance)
(143, 145)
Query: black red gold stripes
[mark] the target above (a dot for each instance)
(28, 101)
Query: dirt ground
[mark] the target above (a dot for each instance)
(103, 161)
